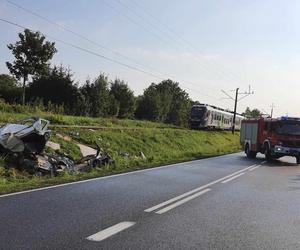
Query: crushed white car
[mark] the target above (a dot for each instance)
(26, 136)
(26, 140)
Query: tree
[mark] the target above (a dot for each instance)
(148, 105)
(164, 102)
(57, 87)
(247, 112)
(9, 90)
(96, 95)
(254, 113)
(124, 96)
(32, 54)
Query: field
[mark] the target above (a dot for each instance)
(127, 141)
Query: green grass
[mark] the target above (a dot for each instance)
(82, 121)
(160, 146)
(160, 143)
(67, 148)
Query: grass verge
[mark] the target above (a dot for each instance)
(127, 147)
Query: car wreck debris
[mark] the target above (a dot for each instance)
(26, 140)
(27, 136)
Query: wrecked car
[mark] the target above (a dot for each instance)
(26, 140)
(54, 164)
(26, 136)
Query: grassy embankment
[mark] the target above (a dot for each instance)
(160, 143)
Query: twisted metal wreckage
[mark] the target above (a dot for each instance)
(26, 140)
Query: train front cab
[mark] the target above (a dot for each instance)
(197, 117)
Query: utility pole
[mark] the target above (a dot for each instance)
(235, 106)
(272, 109)
(236, 100)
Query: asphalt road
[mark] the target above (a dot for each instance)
(226, 202)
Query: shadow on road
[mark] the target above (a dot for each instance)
(281, 163)
(256, 160)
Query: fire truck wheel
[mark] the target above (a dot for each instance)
(268, 155)
(249, 153)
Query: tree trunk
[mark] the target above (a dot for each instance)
(23, 91)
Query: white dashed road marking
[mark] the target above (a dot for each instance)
(178, 203)
(110, 231)
(151, 209)
(252, 169)
(232, 178)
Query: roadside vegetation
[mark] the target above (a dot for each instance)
(15, 112)
(132, 149)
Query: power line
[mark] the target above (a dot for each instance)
(133, 21)
(111, 50)
(172, 31)
(200, 63)
(155, 27)
(79, 35)
(97, 44)
(88, 51)
(102, 56)
(236, 100)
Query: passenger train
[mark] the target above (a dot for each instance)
(204, 116)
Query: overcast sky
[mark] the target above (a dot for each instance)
(204, 45)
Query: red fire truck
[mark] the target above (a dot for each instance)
(273, 137)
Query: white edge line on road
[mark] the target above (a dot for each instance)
(232, 178)
(194, 190)
(110, 231)
(252, 169)
(178, 203)
(105, 177)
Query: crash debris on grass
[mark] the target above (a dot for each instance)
(25, 141)
(53, 145)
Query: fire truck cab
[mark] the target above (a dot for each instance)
(273, 137)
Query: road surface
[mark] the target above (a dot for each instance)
(226, 202)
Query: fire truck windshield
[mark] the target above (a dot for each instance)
(287, 128)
